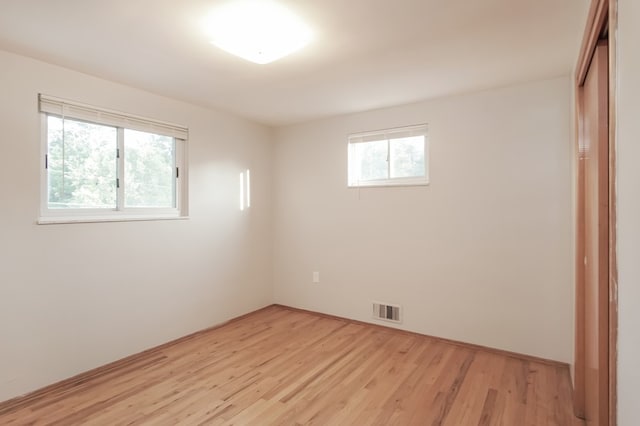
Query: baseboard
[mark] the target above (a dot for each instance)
(69, 383)
(472, 346)
(17, 402)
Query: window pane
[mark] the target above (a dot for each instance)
(149, 170)
(371, 160)
(407, 157)
(81, 164)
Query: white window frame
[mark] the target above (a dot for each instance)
(65, 109)
(388, 135)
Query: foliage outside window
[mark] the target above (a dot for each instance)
(389, 157)
(97, 168)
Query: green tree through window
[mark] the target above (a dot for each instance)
(389, 157)
(82, 164)
(82, 167)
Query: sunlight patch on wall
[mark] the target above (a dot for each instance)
(245, 190)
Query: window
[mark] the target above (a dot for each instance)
(102, 165)
(389, 157)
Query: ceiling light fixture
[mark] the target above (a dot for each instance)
(259, 31)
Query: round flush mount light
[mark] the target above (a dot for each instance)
(259, 31)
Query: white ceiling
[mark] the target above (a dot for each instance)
(366, 54)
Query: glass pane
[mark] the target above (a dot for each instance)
(149, 170)
(371, 160)
(82, 165)
(407, 157)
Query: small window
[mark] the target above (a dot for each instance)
(101, 165)
(389, 157)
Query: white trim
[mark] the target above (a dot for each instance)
(44, 173)
(393, 133)
(98, 219)
(182, 180)
(390, 182)
(71, 109)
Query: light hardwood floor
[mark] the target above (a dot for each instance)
(285, 367)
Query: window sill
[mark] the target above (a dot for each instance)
(386, 184)
(97, 219)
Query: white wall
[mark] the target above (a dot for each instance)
(628, 186)
(481, 255)
(73, 297)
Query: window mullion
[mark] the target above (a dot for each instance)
(388, 158)
(120, 170)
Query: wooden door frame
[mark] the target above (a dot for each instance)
(602, 19)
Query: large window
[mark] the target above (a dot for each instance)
(103, 165)
(389, 157)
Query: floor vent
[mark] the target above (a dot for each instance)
(386, 312)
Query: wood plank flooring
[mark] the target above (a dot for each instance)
(285, 367)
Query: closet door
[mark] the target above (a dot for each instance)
(593, 238)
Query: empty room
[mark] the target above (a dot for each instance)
(296, 212)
